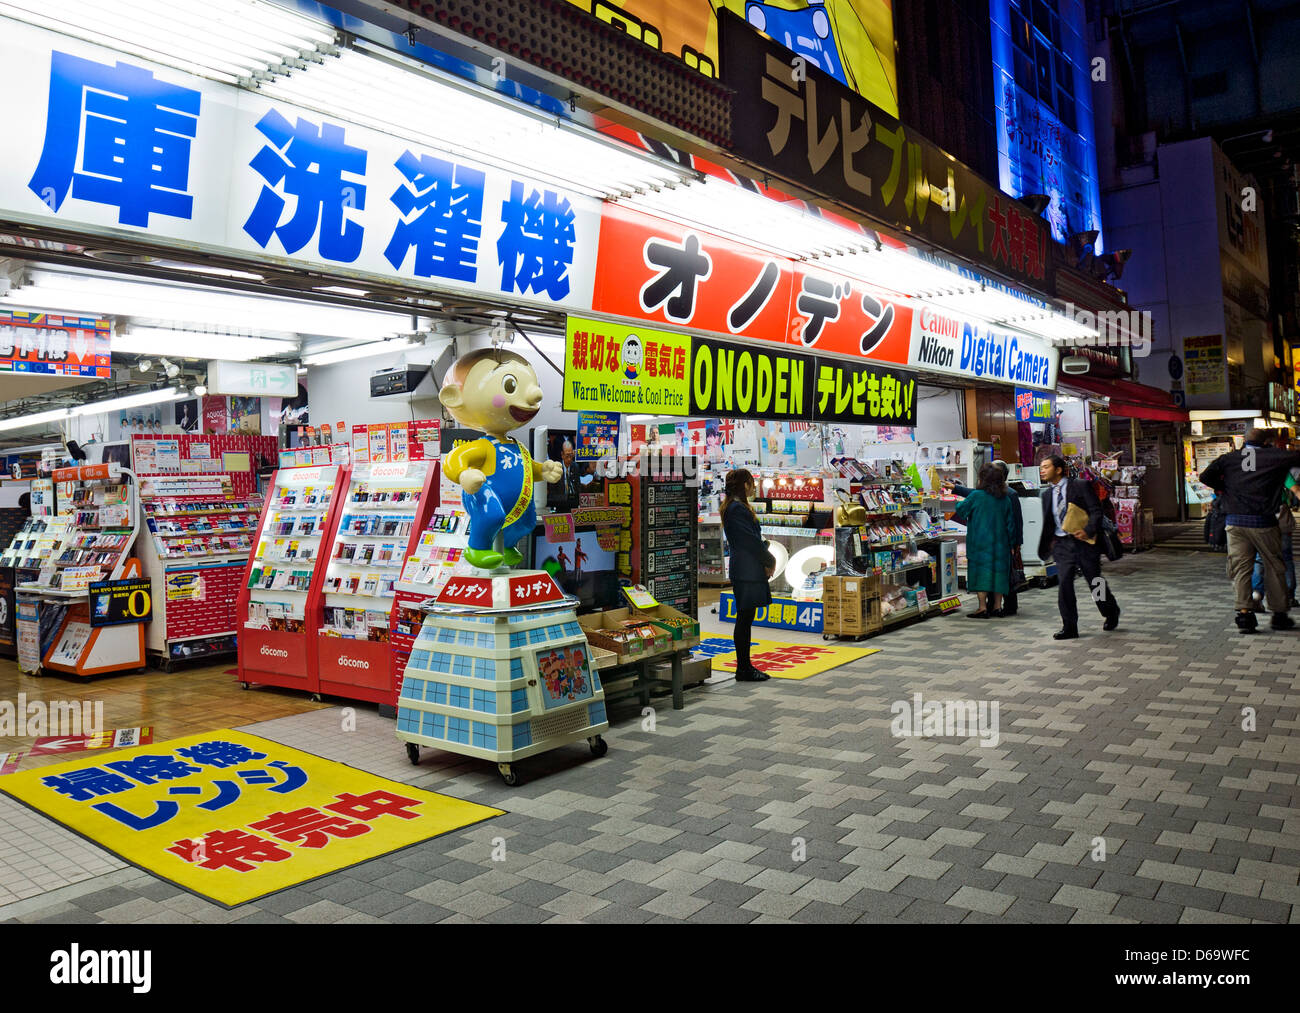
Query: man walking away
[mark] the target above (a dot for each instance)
(1072, 553)
(1251, 481)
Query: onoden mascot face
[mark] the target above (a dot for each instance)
(496, 397)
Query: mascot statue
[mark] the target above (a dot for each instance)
(495, 391)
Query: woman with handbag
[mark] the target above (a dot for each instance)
(990, 521)
(751, 566)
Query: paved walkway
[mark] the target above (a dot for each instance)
(1122, 788)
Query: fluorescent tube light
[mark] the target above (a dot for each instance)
(148, 397)
(38, 419)
(225, 40)
(357, 352)
(199, 344)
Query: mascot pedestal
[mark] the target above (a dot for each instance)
(501, 670)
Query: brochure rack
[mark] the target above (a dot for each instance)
(282, 583)
(381, 517)
(201, 533)
(104, 524)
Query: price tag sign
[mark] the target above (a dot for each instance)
(639, 597)
(79, 578)
(120, 602)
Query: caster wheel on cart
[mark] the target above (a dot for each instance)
(413, 753)
(244, 685)
(599, 747)
(315, 698)
(508, 774)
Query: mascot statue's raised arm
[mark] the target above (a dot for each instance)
(494, 391)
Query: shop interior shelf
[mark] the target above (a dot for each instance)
(905, 569)
(898, 617)
(197, 513)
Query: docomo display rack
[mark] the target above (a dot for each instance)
(196, 557)
(380, 520)
(277, 636)
(501, 670)
(78, 648)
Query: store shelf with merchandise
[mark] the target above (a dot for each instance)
(382, 516)
(200, 537)
(278, 606)
(102, 523)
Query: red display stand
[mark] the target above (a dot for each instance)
(352, 621)
(280, 648)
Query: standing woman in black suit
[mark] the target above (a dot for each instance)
(751, 566)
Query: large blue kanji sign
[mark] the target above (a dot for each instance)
(116, 135)
(317, 167)
(535, 248)
(442, 217)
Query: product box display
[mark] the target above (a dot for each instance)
(607, 630)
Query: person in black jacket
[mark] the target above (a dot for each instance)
(751, 566)
(1250, 481)
(1072, 553)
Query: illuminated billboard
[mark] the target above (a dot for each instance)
(1042, 89)
(852, 40)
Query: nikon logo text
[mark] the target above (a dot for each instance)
(273, 652)
(354, 663)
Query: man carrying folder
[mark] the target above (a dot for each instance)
(1071, 523)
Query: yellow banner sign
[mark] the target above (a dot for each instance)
(621, 368)
(233, 816)
(852, 40)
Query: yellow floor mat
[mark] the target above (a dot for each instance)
(233, 816)
(788, 661)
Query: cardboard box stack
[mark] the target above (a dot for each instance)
(850, 605)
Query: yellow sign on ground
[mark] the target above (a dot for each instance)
(792, 661)
(233, 816)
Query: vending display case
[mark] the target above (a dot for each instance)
(381, 519)
(200, 537)
(96, 546)
(281, 586)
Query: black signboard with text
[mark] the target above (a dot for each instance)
(797, 121)
(745, 382)
(120, 602)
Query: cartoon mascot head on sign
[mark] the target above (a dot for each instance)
(632, 357)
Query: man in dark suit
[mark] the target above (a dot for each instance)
(1072, 553)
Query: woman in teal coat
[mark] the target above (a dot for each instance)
(989, 516)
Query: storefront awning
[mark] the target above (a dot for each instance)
(1128, 399)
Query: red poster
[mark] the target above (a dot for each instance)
(467, 591)
(652, 269)
(840, 315)
(214, 414)
(532, 588)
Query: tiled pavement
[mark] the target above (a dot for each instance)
(792, 801)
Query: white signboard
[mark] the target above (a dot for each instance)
(108, 143)
(945, 343)
(252, 379)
